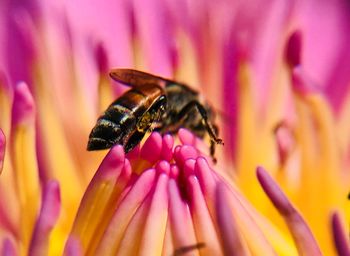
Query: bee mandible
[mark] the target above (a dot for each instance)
(152, 103)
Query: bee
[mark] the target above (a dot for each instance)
(152, 103)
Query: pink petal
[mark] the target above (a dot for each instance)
(2, 149)
(180, 219)
(146, 228)
(125, 210)
(21, 45)
(203, 224)
(340, 236)
(188, 168)
(167, 147)
(101, 193)
(302, 235)
(151, 150)
(230, 237)
(49, 213)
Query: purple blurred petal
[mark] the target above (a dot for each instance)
(151, 150)
(230, 238)
(8, 248)
(49, 213)
(153, 25)
(293, 49)
(302, 84)
(326, 55)
(73, 247)
(23, 105)
(20, 42)
(303, 238)
(108, 22)
(341, 238)
(2, 149)
(163, 167)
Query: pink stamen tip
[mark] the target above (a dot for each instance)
(163, 167)
(205, 175)
(151, 150)
(174, 171)
(232, 244)
(183, 153)
(23, 104)
(73, 247)
(188, 168)
(293, 49)
(302, 234)
(167, 147)
(186, 137)
(340, 238)
(275, 194)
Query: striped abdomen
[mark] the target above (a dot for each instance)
(119, 121)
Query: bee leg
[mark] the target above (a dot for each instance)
(211, 129)
(144, 125)
(135, 139)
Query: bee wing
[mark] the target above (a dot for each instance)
(135, 78)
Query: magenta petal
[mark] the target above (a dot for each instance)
(293, 49)
(2, 149)
(180, 218)
(302, 235)
(73, 247)
(8, 248)
(341, 238)
(23, 104)
(50, 209)
(231, 240)
(155, 34)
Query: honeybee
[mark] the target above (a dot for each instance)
(152, 103)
